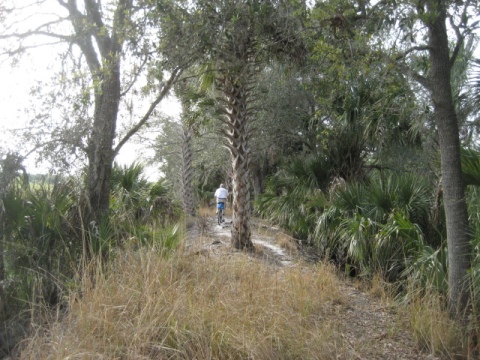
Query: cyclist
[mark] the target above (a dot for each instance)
(221, 195)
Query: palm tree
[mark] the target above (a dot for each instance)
(234, 38)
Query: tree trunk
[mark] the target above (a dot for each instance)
(235, 93)
(259, 169)
(102, 49)
(100, 147)
(459, 246)
(187, 172)
(257, 181)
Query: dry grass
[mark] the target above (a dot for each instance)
(210, 211)
(381, 290)
(432, 327)
(193, 307)
(288, 243)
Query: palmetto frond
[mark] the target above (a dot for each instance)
(378, 224)
(129, 177)
(428, 268)
(471, 166)
(395, 243)
(293, 196)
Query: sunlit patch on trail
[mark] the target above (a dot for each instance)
(277, 250)
(267, 242)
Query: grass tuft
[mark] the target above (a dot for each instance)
(432, 327)
(288, 243)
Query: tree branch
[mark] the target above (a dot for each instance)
(27, 34)
(119, 19)
(135, 77)
(460, 39)
(426, 83)
(175, 74)
(83, 35)
(404, 54)
(97, 27)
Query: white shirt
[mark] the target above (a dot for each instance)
(221, 193)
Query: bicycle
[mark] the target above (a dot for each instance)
(220, 210)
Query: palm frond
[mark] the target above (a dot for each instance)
(428, 269)
(471, 166)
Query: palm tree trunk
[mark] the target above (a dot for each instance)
(187, 172)
(459, 247)
(236, 95)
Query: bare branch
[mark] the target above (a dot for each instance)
(22, 48)
(30, 33)
(174, 76)
(426, 83)
(404, 54)
(460, 39)
(135, 77)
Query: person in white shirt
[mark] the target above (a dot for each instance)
(221, 194)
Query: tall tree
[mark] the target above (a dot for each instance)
(187, 172)
(417, 38)
(106, 35)
(439, 86)
(422, 50)
(232, 39)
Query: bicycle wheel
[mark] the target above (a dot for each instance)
(220, 216)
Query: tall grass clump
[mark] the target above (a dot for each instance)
(194, 307)
(432, 327)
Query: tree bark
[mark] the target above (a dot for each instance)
(3, 302)
(459, 246)
(100, 147)
(236, 96)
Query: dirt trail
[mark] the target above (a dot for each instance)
(370, 329)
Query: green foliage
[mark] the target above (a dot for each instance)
(169, 238)
(135, 201)
(471, 167)
(293, 195)
(41, 239)
(210, 163)
(427, 269)
(378, 225)
(45, 238)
